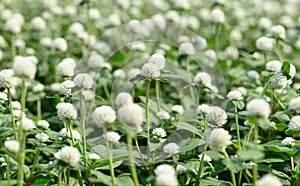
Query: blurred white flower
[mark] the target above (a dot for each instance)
(17, 113)
(133, 72)
(69, 155)
(83, 80)
(24, 67)
(16, 105)
(234, 95)
(131, 114)
(87, 95)
(65, 87)
(288, 141)
(159, 132)
(186, 48)
(202, 109)
(264, 43)
(119, 73)
(27, 124)
(178, 109)
(183, 4)
(279, 81)
(76, 28)
(46, 41)
(43, 124)
(94, 14)
(203, 78)
(274, 66)
(206, 157)
(123, 98)
(66, 132)
(278, 31)
(268, 180)
(231, 52)
(66, 111)
(38, 23)
(253, 74)
(38, 88)
(13, 25)
(258, 107)
(219, 139)
(217, 16)
(95, 61)
(7, 78)
(3, 96)
(171, 148)
(43, 137)
(165, 175)
(104, 115)
(114, 20)
(150, 70)
(113, 137)
(264, 23)
(12, 146)
(93, 156)
(66, 68)
(60, 44)
(243, 90)
(294, 123)
(163, 115)
(216, 116)
(295, 104)
(158, 59)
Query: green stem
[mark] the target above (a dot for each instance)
(35, 161)
(39, 109)
(107, 94)
(130, 158)
(12, 114)
(237, 126)
(8, 168)
(59, 176)
(278, 100)
(157, 94)
(83, 118)
(147, 118)
(217, 32)
(69, 125)
(111, 166)
(13, 47)
(255, 138)
(139, 151)
(292, 163)
(231, 172)
(277, 50)
(200, 170)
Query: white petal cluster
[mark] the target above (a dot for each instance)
(66, 67)
(158, 59)
(295, 104)
(94, 14)
(150, 70)
(43, 124)
(217, 16)
(7, 78)
(178, 109)
(66, 111)
(258, 107)
(133, 72)
(38, 23)
(253, 74)
(69, 155)
(46, 42)
(294, 123)
(202, 109)
(264, 43)
(165, 175)
(186, 48)
(42, 137)
(268, 180)
(131, 114)
(27, 124)
(16, 105)
(279, 81)
(234, 95)
(94, 156)
(3, 96)
(83, 80)
(75, 133)
(171, 148)
(163, 115)
(159, 132)
(12, 145)
(278, 31)
(96, 61)
(288, 141)
(65, 87)
(76, 28)
(87, 95)
(219, 139)
(104, 115)
(38, 88)
(113, 137)
(203, 78)
(206, 157)
(119, 73)
(123, 98)
(13, 25)
(216, 116)
(274, 66)
(264, 23)
(23, 66)
(60, 44)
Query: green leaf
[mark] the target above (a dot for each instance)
(285, 69)
(250, 154)
(297, 157)
(154, 146)
(190, 144)
(298, 91)
(117, 57)
(188, 127)
(124, 180)
(239, 104)
(137, 78)
(100, 177)
(40, 181)
(163, 80)
(264, 123)
(5, 131)
(215, 155)
(233, 163)
(275, 148)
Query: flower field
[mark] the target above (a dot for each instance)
(152, 93)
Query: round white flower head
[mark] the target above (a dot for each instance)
(203, 78)
(268, 180)
(186, 48)
(69, 155)
(219, 139)
(206, 157)
(159, 132)
(38, 88)
(288, 141)
(95, 61)
(16, 105)
(216, 116)
(113, 137)
(264, 43)
(131, 114)
(76, 28)
(24, 67)
(243, 90)
(83, 80)
(66, 68)
(87, 95)
(123, 98)
(180, 169)
(94, 14)
(158, 59)
(133, 72)
(103, 115)
(253, 74)
(165, 175)
(27, 124)
(46, 41)
(278, 31)
(17, 113)
(12, 146)
(13, 25)
(60, 44)
(150, 70)
(178, 109)
(274, 66)
(217, 16)
(234, 95)
(202, 109)
(66, 111)
(258, 107)
(292, 72)
(42, 137)
(231, 52)
(3, 96)
(171, 148)
(65, 87)
(7, 79)
(119, 73)
(43, 123)
(38, 23)
(75, 133)
(163, 115)
(264, 23)
(295, 104)
(94, 156)
(294, 123)
(279, 81)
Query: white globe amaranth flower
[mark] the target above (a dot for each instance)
(171, 148)
(234, 95)
(150, 71)
(219, 139)
(46, 41)
(288, 141)
(20, 43)
(163, 115)
(133, 72)
(216, 116)
(27, 124)
(43, 137)
(264, 23)
(278, 31)
(87, 95)
(12, 146)
(104, 115)
(253, 74)
(131, 114)
(279, 81)
(180, 169)
(65, 87)
(123, 98)
(3, 96)
(76, 28)
(112, 137)
(158, 59)
(38, 88)
(66, 132)
(203, 78)
(243, 90)
(292, 72)
(16, 105)
(206, 157)
(69, 155)
(93, 156)
(17, 113)
(186, 48)
(66, 111)
(165, 175)
(159, 132)
(13, 25)
(231, 52)
(94, 14)
(119, 73)
(38, 23)
(178, 109)
(43, 123)
(24, 67)
(274, 66)
(295, 104)
(114, 20)
(202, 109)
(66, 67)
(7, 78)
(258, 107)
(268, 180)
(217, 16)
(294, 123)
(83, 80)
(183, 4)
(60, 44)
(264, 44)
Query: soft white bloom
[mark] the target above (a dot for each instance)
(76, 28)
(279, 81)
(217, 16)
(27, 124)
(65, 87)
(186, 48)
(13, 25)
(12, 145)
(253, 74)
(180, 169)
(96, 61)
(150, 70)
(288, 141)
(258, 107)
(268, 180)
(119, 73)
(264, 23)
(295, 104)
(66, 67)
(231, 52)
(292, 72)
(200, 42)
(87, 95)
(16, 105)
(69, 155)
(274, 66)
(243, 90)
(3, 96)
(203, 78)
(20, 43)
(216, 116)
(123, 98)
(113, 137)
(264, 43)
(159, 132)
(94, 156)
(206, 157)
(46, 41)
(133, 72)
(131, 114)
(43, 123)
(42, 137)
(7, 79)
(171, 148)
(94, 14)
(38, 23)
(24, 67)
(65, 132)
(60, 44)
(66, 111)
(294, 123)
(178, 109)
(183, 4)
(38, 88)
(163, 115)
(83, 80)
(278, 31)
(165, 175)
(158, 59)
(114, 20)
(219, 139)
(17, 113)
(103, 115)
(202, 109)
(234, 95)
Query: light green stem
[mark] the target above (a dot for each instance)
(200, 170)
(111, 166)
(12, 114)
(35, 161)
(157, 94)
(147, 118)
(8, 168)
(231, 172)
(130, 159)
(255, 138)
(39, 109)
(237, 126)
(217, 33)
(139, 151)
(83, 118)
